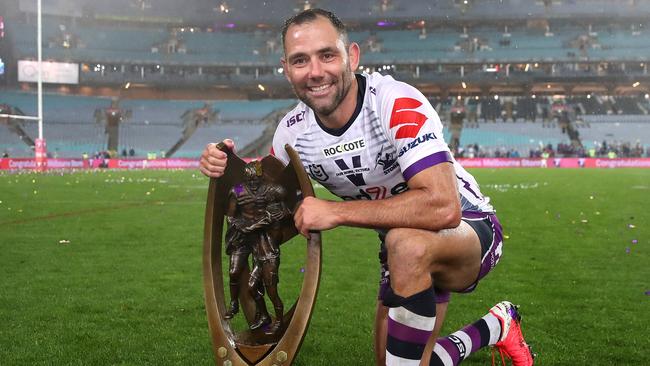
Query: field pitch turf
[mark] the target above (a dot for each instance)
(104, 268)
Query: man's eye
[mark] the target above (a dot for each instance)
(299, 61)
(328, 56)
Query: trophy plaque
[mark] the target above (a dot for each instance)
(256, 201)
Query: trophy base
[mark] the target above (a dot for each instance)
(254, 345)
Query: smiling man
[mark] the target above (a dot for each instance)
(377, 143)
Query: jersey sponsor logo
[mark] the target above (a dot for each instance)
(296, 118)
(354, 173)
(377, 193)
(344, 148)
(388, 161)
(317, 172)
(417, 142)
(404, 116)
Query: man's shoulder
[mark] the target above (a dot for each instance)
(387, 89)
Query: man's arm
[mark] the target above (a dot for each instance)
(431, 203)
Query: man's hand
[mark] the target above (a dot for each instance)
(213, 161)
(314, 214)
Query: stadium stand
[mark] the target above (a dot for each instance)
(72, 128)
(513, 58)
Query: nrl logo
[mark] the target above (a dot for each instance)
(318, 172)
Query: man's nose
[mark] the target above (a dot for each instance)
(316, 69)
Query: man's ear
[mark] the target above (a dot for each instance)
(284, 68)
(354, 54)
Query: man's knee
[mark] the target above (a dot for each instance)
(402, 244)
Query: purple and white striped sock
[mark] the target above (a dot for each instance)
(451, 350)
(410, 324)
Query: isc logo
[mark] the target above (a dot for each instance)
(295, 119)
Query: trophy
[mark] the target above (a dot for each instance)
(256, 201)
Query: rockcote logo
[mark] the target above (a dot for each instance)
(344, 148)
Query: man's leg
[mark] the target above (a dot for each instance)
(500, 327)
(441, 312)
(417, 258)
(381, 321)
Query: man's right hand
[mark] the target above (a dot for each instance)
(213, 160)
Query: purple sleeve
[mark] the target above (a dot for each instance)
(426, 162)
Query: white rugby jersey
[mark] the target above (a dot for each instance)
(393, 134)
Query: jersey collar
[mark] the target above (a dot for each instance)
(361, 93)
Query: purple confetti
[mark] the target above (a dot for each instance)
(627, 250)
(647, 293)
(634, 241)
(302, 270)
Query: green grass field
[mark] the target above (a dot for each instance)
(104, 268)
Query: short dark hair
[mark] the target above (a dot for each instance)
(310, 15)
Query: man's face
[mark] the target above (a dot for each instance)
(318, 65)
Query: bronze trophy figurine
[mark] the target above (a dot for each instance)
(256, 200)
(256, 211)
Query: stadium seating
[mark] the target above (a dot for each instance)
(71, 129)
(241, 47)
(620, 132)
(229, 47)
(520, 136)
